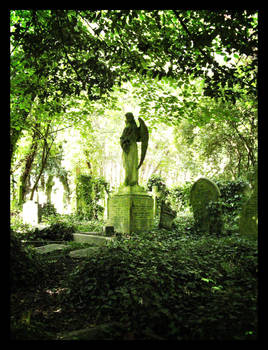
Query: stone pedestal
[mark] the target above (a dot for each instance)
(130, 211)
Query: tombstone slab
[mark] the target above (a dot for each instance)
(203, 192)
(45, 249)
(88, 238)
(83, 253)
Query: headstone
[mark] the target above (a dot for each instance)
(156, 195)
(248, 225)
(30, 213)
(203, 192)
(167, 216)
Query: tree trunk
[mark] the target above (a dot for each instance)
(64, 181)
(24, 179)
(45, 154)
(14, 133)
(246, 143)
(49, 186)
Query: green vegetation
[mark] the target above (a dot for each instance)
(171, 286)
(158, 285)
(192, 77)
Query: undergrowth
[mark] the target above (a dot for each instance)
(163, 284)
(171, 285)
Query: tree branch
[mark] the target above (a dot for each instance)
(192, 38)
(208, 57)
(66, 54)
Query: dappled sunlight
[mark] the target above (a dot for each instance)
(133, 174)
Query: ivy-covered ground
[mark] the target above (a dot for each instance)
(158, 285)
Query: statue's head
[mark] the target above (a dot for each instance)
(129, 117)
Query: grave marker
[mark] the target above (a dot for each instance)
(30, 212)
(156, 195)
(167, 216)
(131, 208)
(131, 212)
(203, 192)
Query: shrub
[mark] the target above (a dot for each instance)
(25, 267)
(179, 197)
(89, 191)
(156, 180)
(56, 232)
(47, 209)
(233, 195)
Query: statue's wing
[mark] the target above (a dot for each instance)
(143, 137)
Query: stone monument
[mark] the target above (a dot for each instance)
(167, 216)
(202, 193)
(31, 212)
(248, 225)
(156, 196)
(131, 208)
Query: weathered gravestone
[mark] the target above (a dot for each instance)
(202, 194)
(167, 216)
(156, 195)
(84, 253)
(91, 238)
(49, 248)
(131, 208)
(31, 213)
(248, 225)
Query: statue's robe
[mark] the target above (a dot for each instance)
(128, 142)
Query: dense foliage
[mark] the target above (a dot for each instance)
(26, 268)
(192, 77)
(54, 232)
(89, 190)
(157, 285)
(179, 68)
(171, 287)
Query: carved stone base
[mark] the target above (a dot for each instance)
(130, 212)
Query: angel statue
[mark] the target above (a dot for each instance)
(128, 141)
